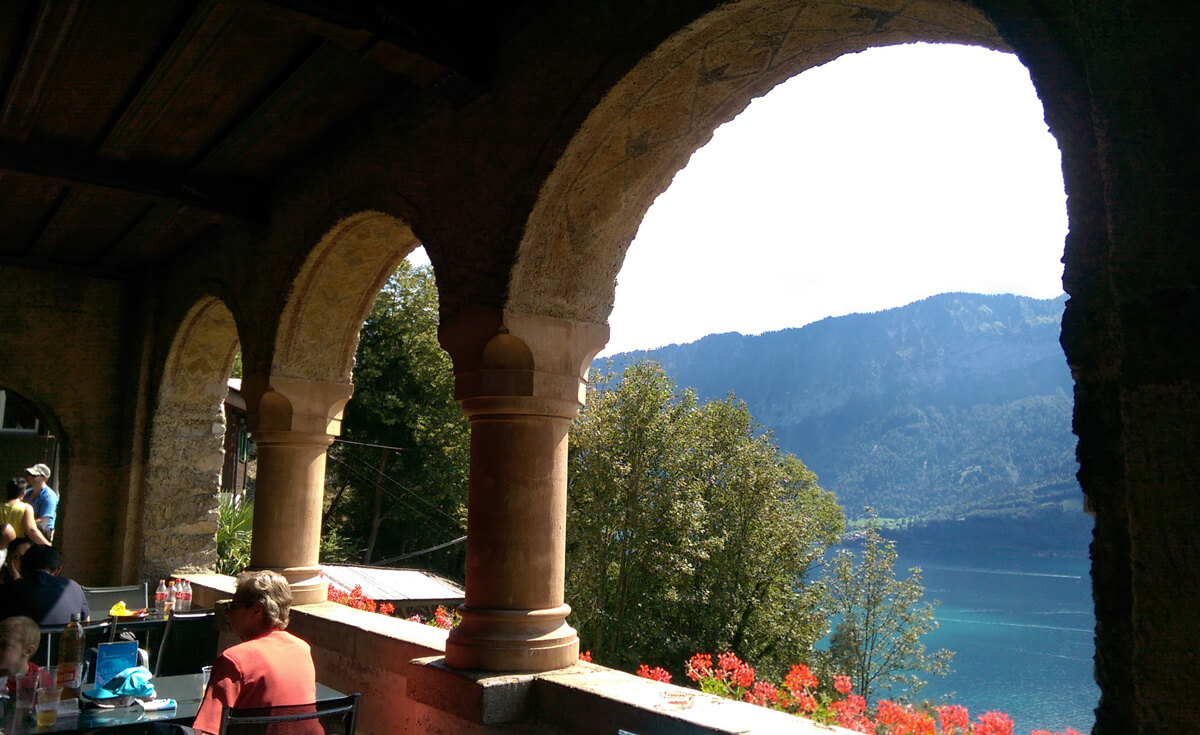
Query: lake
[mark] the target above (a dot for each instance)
(1022, 627)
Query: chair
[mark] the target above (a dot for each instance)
(200, 645)
(100, 599)
(93, 633)
(335, 716)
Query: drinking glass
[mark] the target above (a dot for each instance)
(47, 705)
(205, 674)
(27, 686)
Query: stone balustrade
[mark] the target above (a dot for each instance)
(399, 668)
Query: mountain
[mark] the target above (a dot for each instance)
(955, 406)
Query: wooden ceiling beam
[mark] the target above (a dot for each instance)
(51, 29)
(239, 200)
(397, 24)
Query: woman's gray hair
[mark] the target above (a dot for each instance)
(269, 588)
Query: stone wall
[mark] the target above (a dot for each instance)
(183, 469)
(66, 344)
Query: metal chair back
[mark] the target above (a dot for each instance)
(100, 599)
(197, 644)
(332, 717)
(46, 650)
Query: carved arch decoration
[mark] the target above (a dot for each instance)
(333, 294)
(183, 467)
(649, 124)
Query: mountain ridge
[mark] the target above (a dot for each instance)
(955, 405)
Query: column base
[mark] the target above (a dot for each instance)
(513, 640)
(307, 584)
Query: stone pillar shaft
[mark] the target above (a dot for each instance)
(287, 506)
(293, 422)
(520, 380)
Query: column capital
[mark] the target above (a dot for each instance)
(498, 353)
(287, 409)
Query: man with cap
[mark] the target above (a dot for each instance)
(42, 497)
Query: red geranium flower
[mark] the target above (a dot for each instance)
(799, 679)
(954, 719)
(841, 683)
(657, 673)
(699, 667)
(994, 723)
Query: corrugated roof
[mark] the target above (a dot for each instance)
(412, 586)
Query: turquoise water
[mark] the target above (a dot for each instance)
(1022, 629)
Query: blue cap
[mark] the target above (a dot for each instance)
(131, 682)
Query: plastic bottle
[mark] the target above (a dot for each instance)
(160, 598)
(170, 604)
(188, 585)
(184, 596)
(70, 658)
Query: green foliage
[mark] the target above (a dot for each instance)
(235, 525)
(408, 492)
(880, 620)
(688, 529)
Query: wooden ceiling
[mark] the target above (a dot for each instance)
(128, 129)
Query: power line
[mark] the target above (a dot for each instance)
(402, 502)
(361, 474)
(339, 440)
(389, 560)
(409, 490)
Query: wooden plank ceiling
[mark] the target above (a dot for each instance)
(128, 129)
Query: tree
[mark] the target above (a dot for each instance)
(689, 530)
(399, 480)
(880, 620)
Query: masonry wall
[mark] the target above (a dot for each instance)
(73, 338)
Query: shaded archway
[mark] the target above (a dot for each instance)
(183, 470)
(642, 133)
(295, 410)
(27, 435)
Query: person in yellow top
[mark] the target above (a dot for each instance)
(16, 516)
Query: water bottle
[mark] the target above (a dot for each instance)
(160, 598)
(70, 658)
(170, 605)
(185, 595)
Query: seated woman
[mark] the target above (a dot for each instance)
(16, 516)
(271, 667)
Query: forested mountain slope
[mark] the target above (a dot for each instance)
(957, 405)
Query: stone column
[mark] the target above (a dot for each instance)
(293, 422)
(520, 380)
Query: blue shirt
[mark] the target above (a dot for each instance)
(45, 505)
(47, 599)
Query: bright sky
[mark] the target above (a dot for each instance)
(867, 183)
(870, 182)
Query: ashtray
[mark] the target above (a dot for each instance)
(676, 699)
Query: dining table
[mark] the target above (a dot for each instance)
(186, 689)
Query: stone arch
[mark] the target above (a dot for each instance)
(333, 293)
(23, 451)
(645, 129)
(183, 468)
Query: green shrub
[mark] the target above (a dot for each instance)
(234, 529)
